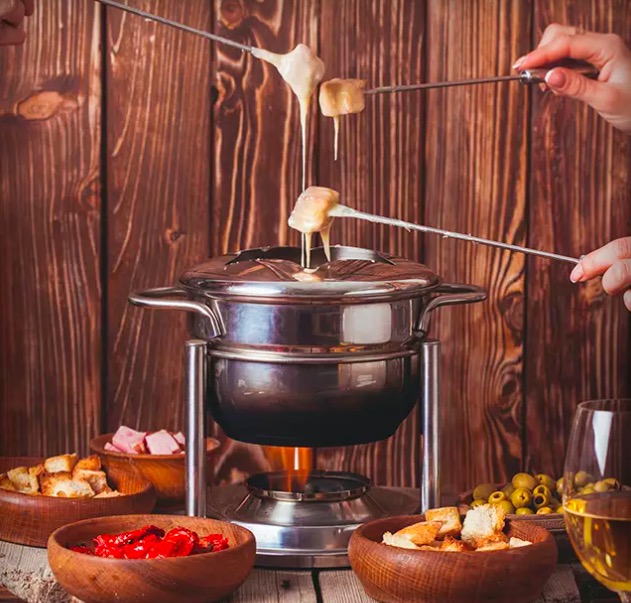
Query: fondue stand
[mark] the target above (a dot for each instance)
(335, 356)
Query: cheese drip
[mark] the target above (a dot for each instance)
(303, 70)
(341, 97)
(311, 215)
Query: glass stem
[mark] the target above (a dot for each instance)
(625, 597)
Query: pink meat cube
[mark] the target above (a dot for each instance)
(162, 442)
(180, 439)
(129, 440)
(111, 448)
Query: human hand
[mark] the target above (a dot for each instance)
(610, 95)
(12, 13)
(613, 262)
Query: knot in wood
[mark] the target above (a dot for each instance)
(232, 13)
(43, 105)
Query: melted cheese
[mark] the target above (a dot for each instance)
(303, 70)
(341, 97)
(311, 214)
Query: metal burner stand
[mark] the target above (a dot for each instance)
(287, 537)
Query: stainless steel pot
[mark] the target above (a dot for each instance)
(327, 357)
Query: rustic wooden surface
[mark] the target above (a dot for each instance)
(578, 341)
(180, 176)
(26, 571)
(50, 217)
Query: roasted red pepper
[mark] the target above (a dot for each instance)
(151, 542)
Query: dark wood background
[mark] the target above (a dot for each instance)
(129, 151)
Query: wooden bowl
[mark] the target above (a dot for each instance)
(167, 472)
(195, 579)
(394, 575)
(30, 519)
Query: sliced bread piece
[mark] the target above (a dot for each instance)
(450, 519)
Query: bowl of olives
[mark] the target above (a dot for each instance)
(532, 495)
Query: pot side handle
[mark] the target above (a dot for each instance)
(449, 294)
(162, 299)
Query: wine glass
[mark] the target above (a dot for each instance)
(597, 492)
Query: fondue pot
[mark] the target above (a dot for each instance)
(323, 357)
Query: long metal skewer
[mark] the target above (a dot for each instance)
(342, 211)
(176, 25)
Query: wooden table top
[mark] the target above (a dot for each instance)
(25, 574)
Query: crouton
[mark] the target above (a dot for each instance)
(450, 519)
(20, 479)
(91, 463)
(492, 539)
(62, 485)
(515, 543)
(96, 479)
(342, 97)
(493, 546)
(451, 545)
(108, 494)
(6, 483)
(423, 532)
(402, 542)
(63, 463)
(33, 474)
(483, 522)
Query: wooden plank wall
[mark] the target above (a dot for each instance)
(192, 150)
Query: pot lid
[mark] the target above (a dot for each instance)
(275, 274)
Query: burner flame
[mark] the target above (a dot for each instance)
(297, 463)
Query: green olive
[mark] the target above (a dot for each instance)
(524, 480)
(545, 480)
(540, 500)
(601, 486)
(478, 503)
(587, 490)
(483, 491)
(541, 489)
(507, 506)
(560, 486)
(582, 478)
(524, 511)
(544, 511)
(521, 497)
(508, 489)
(496, 497)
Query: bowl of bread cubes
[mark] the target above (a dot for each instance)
(37, 495)
(444, 556)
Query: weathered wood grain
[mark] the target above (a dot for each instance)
(578, 341)
(379, 170)
(50, 298)
(257, 150)
(158, 102)
(476, 175)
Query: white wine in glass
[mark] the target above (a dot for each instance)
(597, 492)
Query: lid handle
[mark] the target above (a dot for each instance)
(454, 294)
(162, 299)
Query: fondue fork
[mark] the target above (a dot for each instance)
(527, 76)
(176, 25)
(343, 211)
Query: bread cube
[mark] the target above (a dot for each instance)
(450, 519)
(96, 479)
(451, 545)
(311, 212)
(62, 485)
(6, 483)
(515, 543)
(91, 463)
(493, 546)
(20, 479)
(342, 97)
(423, 532)
(63, 463)
(402, 542)
(483, 522)
(34, 474)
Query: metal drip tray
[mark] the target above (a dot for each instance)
(312, 532)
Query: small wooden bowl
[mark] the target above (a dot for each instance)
(195, 579)
(167, 472)
(393, 575)
(30, 519)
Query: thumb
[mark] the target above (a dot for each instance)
(569, 83)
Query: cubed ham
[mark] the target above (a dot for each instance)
(129, 440)
(180, 439)
(162, 442)
(111, 448)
